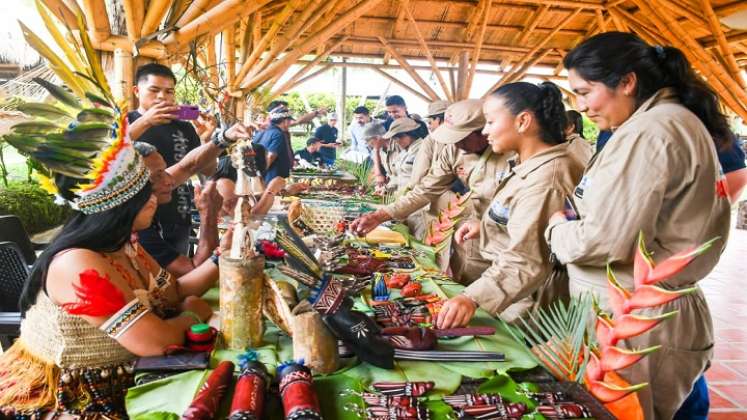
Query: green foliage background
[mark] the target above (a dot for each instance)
(34, 206)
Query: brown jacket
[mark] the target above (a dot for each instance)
(512, 228)
(429, 149)
(658, 174)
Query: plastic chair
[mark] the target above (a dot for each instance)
(12, 230)
(12, 277)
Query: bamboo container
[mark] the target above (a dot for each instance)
(241, 295)
(313, 342)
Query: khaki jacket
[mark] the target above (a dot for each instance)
(512, 228)
(580, 149)
(658, 174)
(453, 163)
(403, 165)
(429, 149)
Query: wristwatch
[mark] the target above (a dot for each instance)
(220, 140)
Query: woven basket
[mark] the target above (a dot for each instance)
(322, 216)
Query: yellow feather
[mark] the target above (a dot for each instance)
(94, 62)
(59, 38)
(56, 63)
(46, 183)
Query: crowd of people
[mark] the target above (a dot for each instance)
(534, 188)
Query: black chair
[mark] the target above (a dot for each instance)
(12, 230)
(12, 277)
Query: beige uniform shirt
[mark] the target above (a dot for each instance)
(511, 231)
(429, 150)
(658, 174)
(404, 163)
(580, 149)
(388, 159)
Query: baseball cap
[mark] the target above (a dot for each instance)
(373, 129)
(280, 113)
(460, 119)
(436, 107)
(401, 125)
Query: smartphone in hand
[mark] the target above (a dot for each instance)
(188, 112)
(569, 208)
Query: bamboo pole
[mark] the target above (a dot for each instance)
(256, 30)
(639, 27)
(686, 12)
(151, 49)
(698, 57)
(123, 75)
(196, 8)
(270, 35)
(134, 13)
(96, 19)
(412, 72)
(518, 73)
(533, 22)
(311, 42)
(212, 63)
(726, 52)
(63, 13)
(617, 22)
(402, 84)
(319, 58)
(570, 4)
(229, 49)
(452, 82)
(321, 13)
(601, 24)
(157, 10)
(558, 68)
(222, 15)
(307, 78)
(473, 20)
(478, 47)
(462, 69)
(245, 37)
(427, 50)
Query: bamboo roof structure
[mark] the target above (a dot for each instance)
(250, 45)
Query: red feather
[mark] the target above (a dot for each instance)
(97, 296)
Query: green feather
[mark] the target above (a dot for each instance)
(39, 109)
(59, 93)
(95, 131)
(98, 100)
(96, 115)
(36, 127)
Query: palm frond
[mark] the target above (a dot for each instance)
(557, 336)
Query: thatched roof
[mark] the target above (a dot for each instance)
(258, 40)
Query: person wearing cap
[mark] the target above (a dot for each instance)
(310, 156)
(327, 133)
(435, 115)
(358, 152)
(528, 121)
(373, 133)
(277, 144)
(465, 156)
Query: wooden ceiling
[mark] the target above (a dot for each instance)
(254, 42)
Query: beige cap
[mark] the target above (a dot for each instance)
(401, 125)
(437, 107)
(460, 119)
(373, 129)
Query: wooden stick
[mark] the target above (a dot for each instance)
(319, 58)
(224, 14)
(533, 22)
(427, 50)
(151, 49)
(412, 72)
(270, 35)
(96, 19)
(229, 48)
(256, 30)
(310, 43)
(698, 57)
(478, 47)
(157, 10)
(197, 8)
(726, 52)
(601, 24)
(462, 69)
(402, 84)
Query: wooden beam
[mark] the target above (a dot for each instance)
(731, 8)
(402, 84)
(517, 73)
(222, 15)
(256, 30)
(311, 42)
(133, 18)
(474, 19)
(229, 50)
(643, 29)
(157, 10)
(617, 22)
(428, 54)
(97, 19)
(721, 82)
(686, 12)
(151, 49)
(568, 4)
(408, 68)
(398, 24)
(559, 68)
(212, 63)
(123, 75)
(305, 69)
(478, 48)
(462, 69)
(533, 22)
(177, 10)
(309, 77)
(601, 24)
(269, 36)
(724, 47)
(196, 8)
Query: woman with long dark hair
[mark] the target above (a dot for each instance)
(574, 135)
(528, 122)
(658, 175)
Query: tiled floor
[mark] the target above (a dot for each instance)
(725, 289)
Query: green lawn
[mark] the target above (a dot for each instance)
(15, 164)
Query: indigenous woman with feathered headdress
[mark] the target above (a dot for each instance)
(94, 300)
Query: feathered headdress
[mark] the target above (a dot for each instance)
(83, 133)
